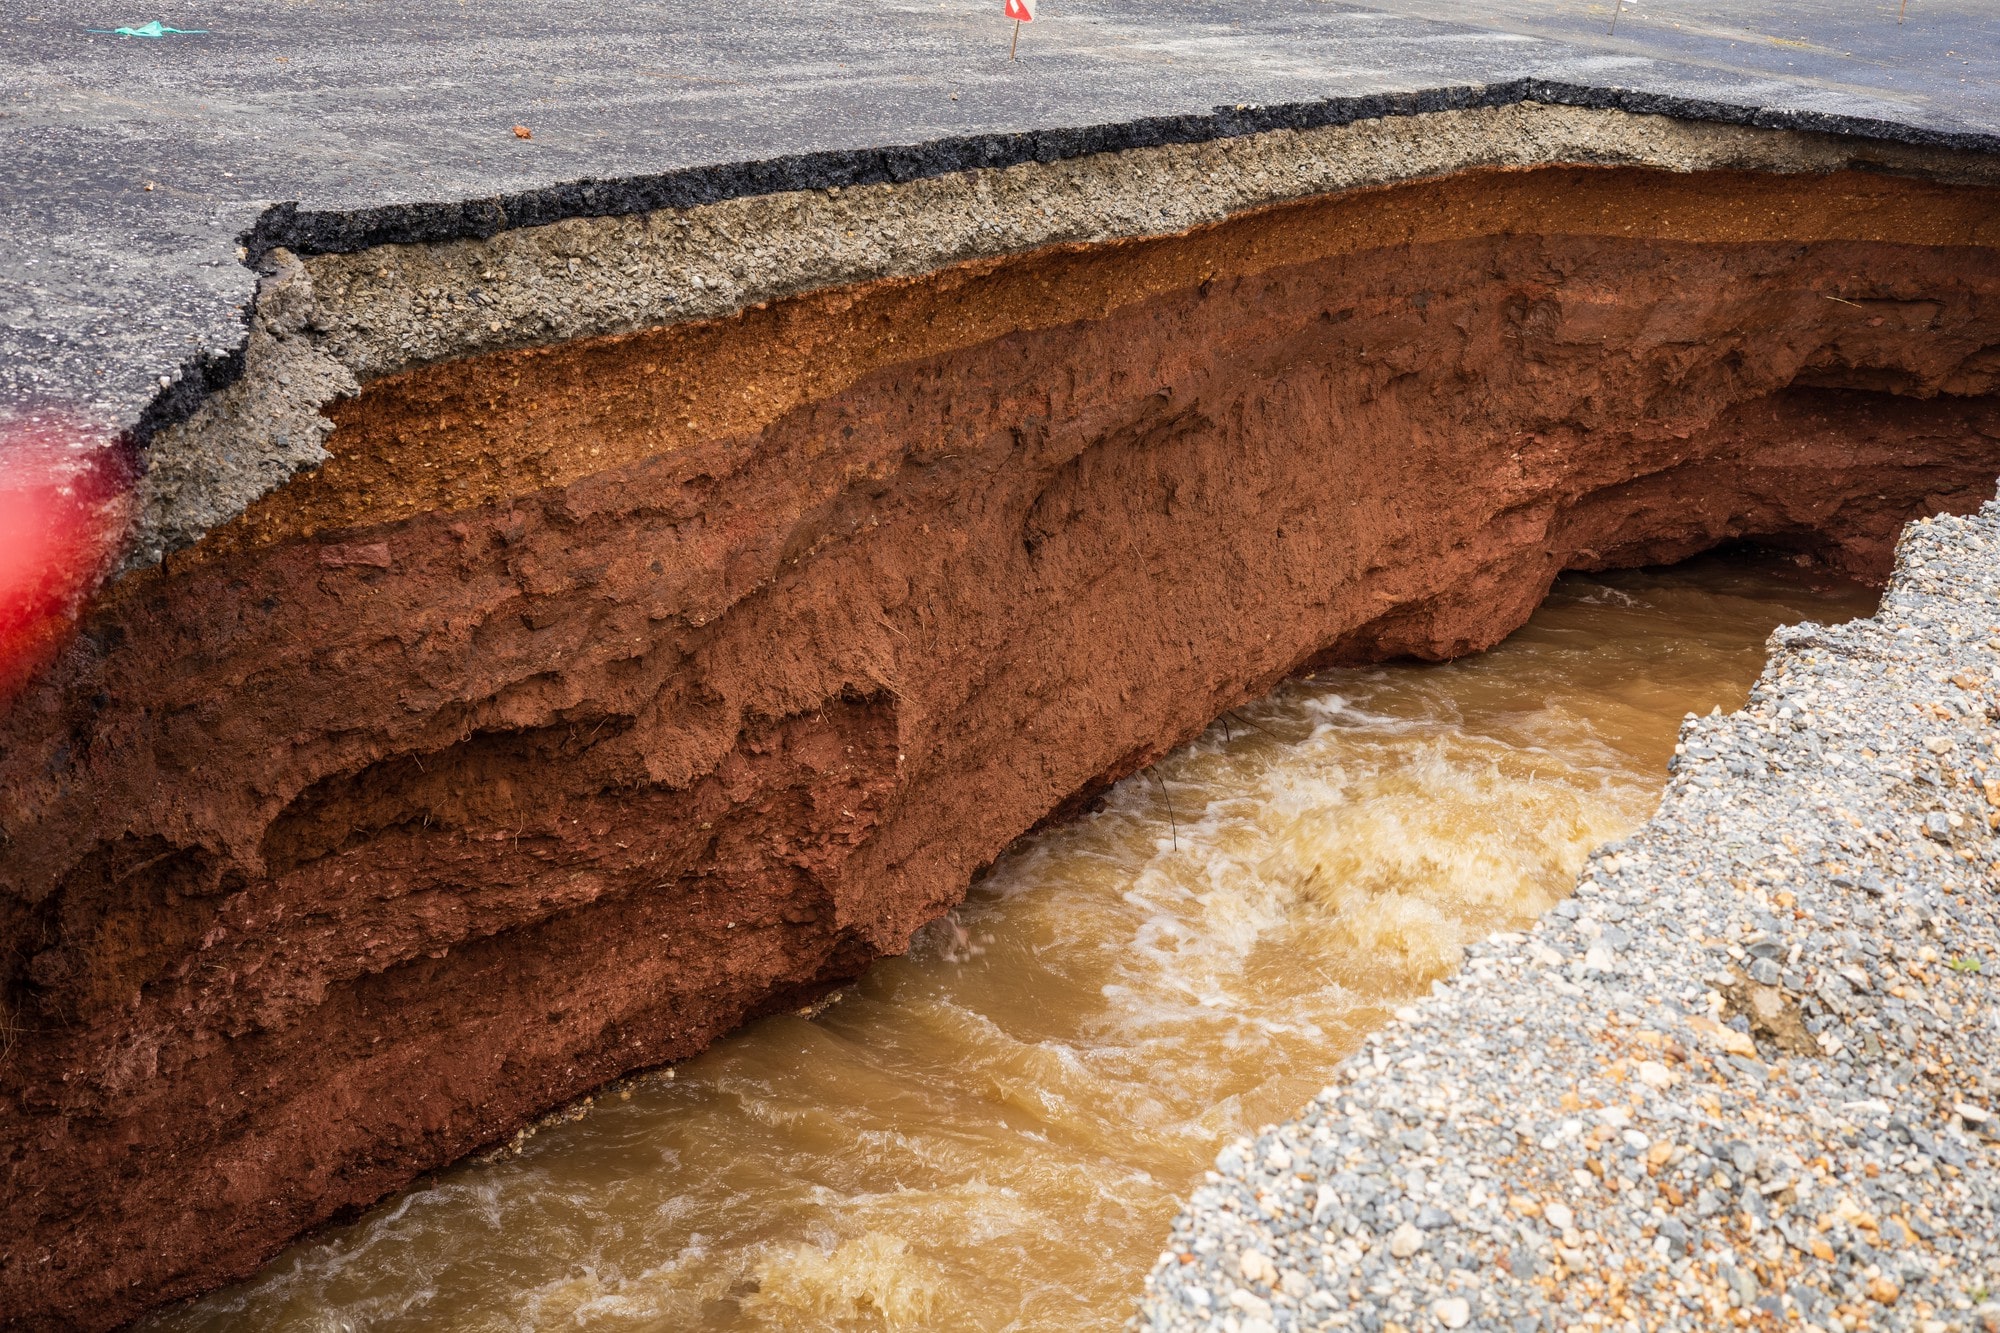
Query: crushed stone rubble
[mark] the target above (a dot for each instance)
(1745, 1077)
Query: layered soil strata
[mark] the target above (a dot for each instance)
(592, 698)
(324, 323)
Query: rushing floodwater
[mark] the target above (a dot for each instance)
(993, 1132)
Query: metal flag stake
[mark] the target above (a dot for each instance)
(1021, 11)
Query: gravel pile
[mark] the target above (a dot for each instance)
(1745, 1076)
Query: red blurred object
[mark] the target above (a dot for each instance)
(65, 500)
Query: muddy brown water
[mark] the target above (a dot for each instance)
(993, 1132)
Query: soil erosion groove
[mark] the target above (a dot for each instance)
(593, 698)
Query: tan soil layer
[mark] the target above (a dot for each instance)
(594, 698)
(489, 426)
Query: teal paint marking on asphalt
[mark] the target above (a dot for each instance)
(152, 29)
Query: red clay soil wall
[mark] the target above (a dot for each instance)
(595, 698)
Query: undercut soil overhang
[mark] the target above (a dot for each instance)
(582, 699)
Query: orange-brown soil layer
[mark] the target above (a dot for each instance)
(593, 699)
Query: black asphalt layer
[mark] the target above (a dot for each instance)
(141, 175)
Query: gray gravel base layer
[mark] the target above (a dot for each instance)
(138, 175)
(324, 324)
(1745, 1076)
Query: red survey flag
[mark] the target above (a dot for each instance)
(1021, 11)
(65, 503)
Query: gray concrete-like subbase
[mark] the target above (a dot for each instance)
(132, 167)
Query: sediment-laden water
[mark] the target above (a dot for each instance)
(992, 1133)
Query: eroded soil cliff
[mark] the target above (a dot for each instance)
(594, 698)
